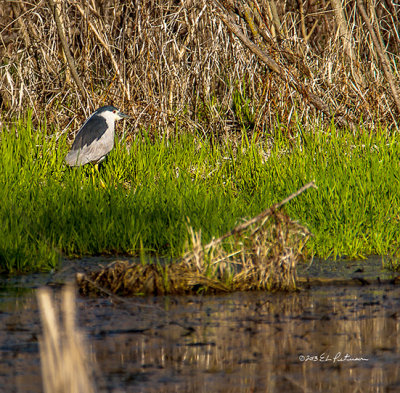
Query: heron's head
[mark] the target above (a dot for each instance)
(111, 112)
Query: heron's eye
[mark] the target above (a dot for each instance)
(114, 111)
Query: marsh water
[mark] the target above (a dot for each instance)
(340, 333)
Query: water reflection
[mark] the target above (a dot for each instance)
(252, 342)
(243, 342)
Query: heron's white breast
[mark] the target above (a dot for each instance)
(107, 139)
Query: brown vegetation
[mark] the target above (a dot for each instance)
(259, 254)
(263, 258)
(177, 63)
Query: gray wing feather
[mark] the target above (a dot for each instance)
(92, 130)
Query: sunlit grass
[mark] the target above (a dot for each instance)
(153, 188)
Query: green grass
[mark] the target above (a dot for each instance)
(153, 188)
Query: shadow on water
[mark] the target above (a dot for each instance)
(326, 338)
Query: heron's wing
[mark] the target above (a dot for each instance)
(92, 130)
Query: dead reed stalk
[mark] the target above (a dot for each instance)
(65, 366)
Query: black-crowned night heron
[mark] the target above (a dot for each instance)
(95, 139)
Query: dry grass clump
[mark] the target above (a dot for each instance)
(130, 279)
(270, 254)
(259, 254)
(217, 67)
(264, 257)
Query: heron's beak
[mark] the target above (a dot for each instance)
(120, 114)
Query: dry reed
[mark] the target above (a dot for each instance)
(65, 366)
(175, 64)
